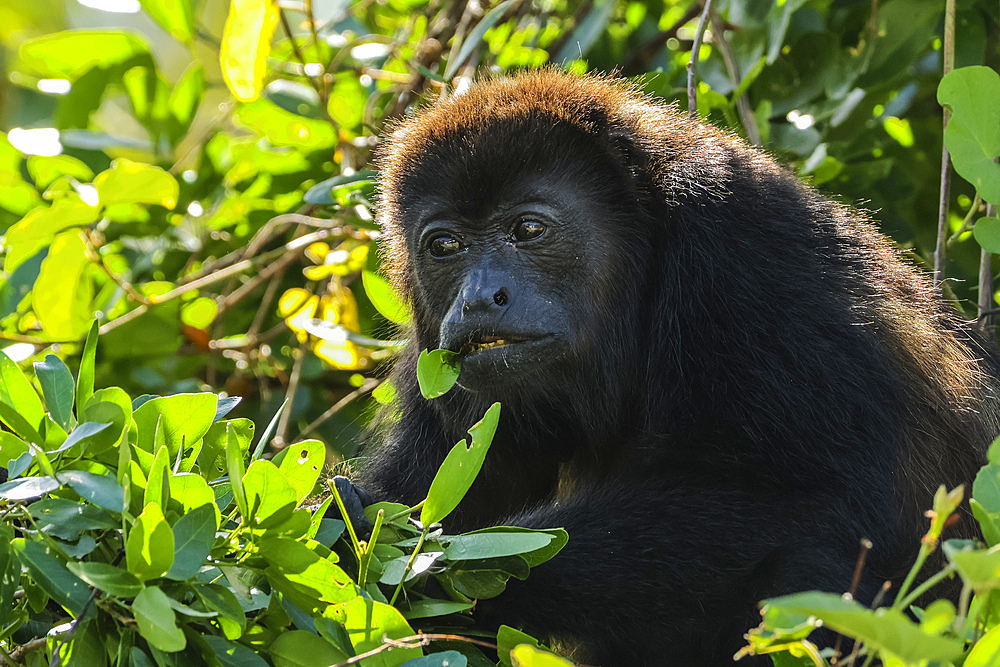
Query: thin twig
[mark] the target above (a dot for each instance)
(280, 440)
(986, 301)
(859, 566)
(733, 67)
(945, 195)
(368, 385)
(693, 63)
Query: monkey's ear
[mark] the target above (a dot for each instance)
(622, 144)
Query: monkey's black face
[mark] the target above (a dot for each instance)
(508, 279)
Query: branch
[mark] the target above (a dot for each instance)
(945, 195)
(693, 63)
(733, 67)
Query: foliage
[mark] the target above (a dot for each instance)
(201, 182)
(151, 531)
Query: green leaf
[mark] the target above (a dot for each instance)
(231, 654)
(973, 132)
(16, 391)
(494, 545)
(11, 447)
(194, 535)
(524, 655)
(987, 233)
(231, 617)
(538, 556)
(133, 182)
(384, 298)
(476, 36)
(234, 463)
(66, 519)
(270, 498)
(156, 620)
(27, 488)
(102, 490)
(191, 491)
(199, 313)
(322, 191)
(459, 469)
(883, 630)
(428, 608)
(368, 621)
(979, 568)
(385, 393)
(38, 228)
(158, 480)
(62, 294)
(301, 466)
(175, 16)
(85, 379)
(45, 169)
(584, 36)
(309, 582)
(71, 53)
(246, 43)
(149, 550)
(110, 579)
(57, 387)
(298, 648)
(107, 406)
(437, 372)
(186, 96)
(283, 128)
(508, 639)
(186, 418)
(986, 652)
(51, 575)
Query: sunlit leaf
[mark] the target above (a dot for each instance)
(176, 16)
(37, 229)
(987, 233)
(62, 294)
(384, 298)
(437, 372)
(149, 550)
(133, 182)
(157, 623)
(246, 43)
(71, 53)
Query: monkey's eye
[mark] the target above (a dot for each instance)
(442, 246)
(526, 230)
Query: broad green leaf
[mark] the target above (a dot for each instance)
(189, 491)
(973, 132)
(45, 169)
(17, 392)
(986, 652)
(81, 434)
(186, 418)
(385, 393)
(186, 95)
(437, 372)
(212, 458)
(231, 654)
(368, 622)
(309, 581)
(176, 16)
(158, 480)
(989, 522)
(231, 617)
(194, 535)
(524, 655)
(102, 490)
(234, 463)
(459, 469)
(11, 447)
(71, 53)
(538, 556)
(508, 639)
(62, 294)
(979, 568)
(987, 233)
(283, 128)
(108, 578)
(298, 648)
(884, 629)
(136, 183)
(494, 545)
(428, 608)
(37, 229)
(66, 519)
(57, 388)
(269, 496)
(107, 406)
(27, 488)
(246, 43)
(156, 620)
(85, 379)
(393, 570)
(384, 298)
(64, 587)
(301, 465)
(149, 550)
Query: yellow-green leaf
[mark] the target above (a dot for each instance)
(175, 16)
(246, 42)
(72, 53)
(135, 183)
(37, 229)
(62, 294)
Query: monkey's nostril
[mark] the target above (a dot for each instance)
(500, 298)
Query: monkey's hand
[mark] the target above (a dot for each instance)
(355, 499)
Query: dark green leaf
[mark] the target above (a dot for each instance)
(231, 654)
(81, 433)
(57, 387)
(102, 490)
(194, 535)
(27, 488)
(108, 578)
(65, 588)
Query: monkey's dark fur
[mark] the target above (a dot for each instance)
(728, 379)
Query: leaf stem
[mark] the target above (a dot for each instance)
(409, 564)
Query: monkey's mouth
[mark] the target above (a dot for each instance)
(488, 343)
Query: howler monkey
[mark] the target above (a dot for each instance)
(716, 379)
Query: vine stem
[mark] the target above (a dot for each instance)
(693, 63)
(945, 195)
(409, 564)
